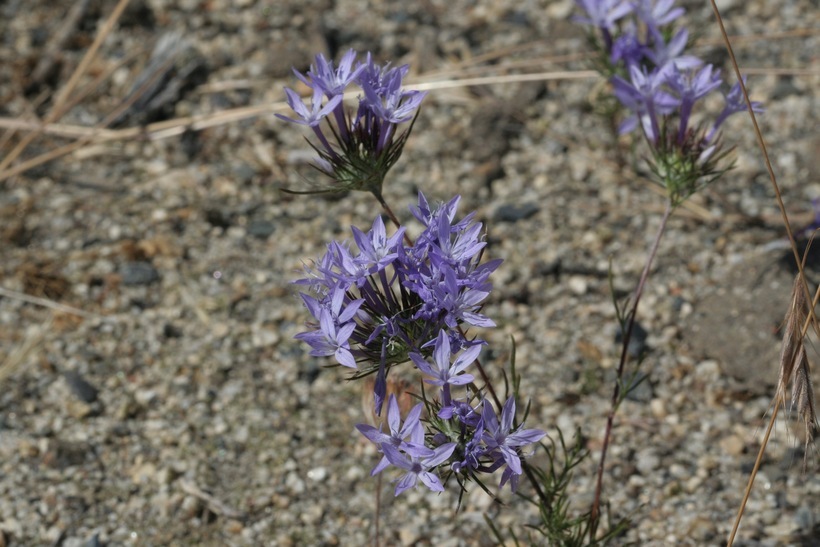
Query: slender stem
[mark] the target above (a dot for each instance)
(753, 474)
(616, 393)
(392, 216)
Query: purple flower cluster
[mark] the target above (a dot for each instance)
(386, 301)
(659, 84)
(477, 443)
(653, 76)
(389, 302)
(355, 151)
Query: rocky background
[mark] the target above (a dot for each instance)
(171, 406)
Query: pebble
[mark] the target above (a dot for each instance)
(318, 474)
(138, 273)
(578, 285)
(515, 212)
(658, 408)
(143, 473)
(190, 507)
(80, 387)
(79, 409)
(295, 484)
(261, 229)
(647, 461)
(732, 445)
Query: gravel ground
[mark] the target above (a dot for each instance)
(180, 411)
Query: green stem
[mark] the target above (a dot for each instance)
(616, 393)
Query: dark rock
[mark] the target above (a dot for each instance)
(171, 331)
(261, 228)
(244, 173)
(218, 217)
(138, 273)
(784, 88)
(637, 340)
(514, 213)
(80, 387)
(310, 372)
(642, 391)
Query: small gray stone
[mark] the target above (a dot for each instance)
(138, 273)
(244, 173)
(514, 213)
(83, 390)
(261, 229)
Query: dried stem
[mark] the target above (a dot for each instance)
(616, 393)
(58, 109)
(753, 474)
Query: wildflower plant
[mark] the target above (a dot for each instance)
(659, 85)
(388, 303)
(355, 149)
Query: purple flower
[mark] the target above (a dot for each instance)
(645, 97)
(385, 104)
(460, 303)
(444, 373)
(690, 88)
(331, 81)
(331, 339)
(335, 327)
(464, 246)
(603, 13)
(627, 47)
(377, 307)
(463, 412)
(662, 53)
(408, 437)
(418, 467)
(656, 13)
(504, 441)
(734, 103)
(366, 146)
(312, 117)
(377, 251)
(474, 451)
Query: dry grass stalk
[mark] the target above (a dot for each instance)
(46, 303)
(803, 401)
(794, 363)
(33, 341)
(792, 345)
(58, 110)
